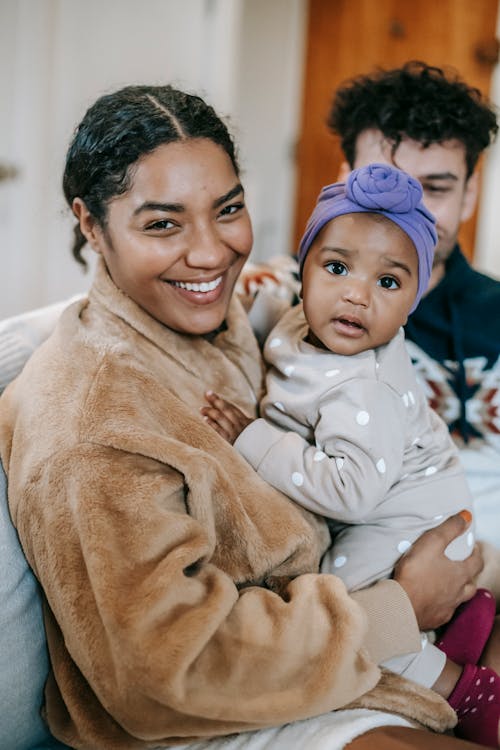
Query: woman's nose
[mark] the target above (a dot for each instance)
(206, 248)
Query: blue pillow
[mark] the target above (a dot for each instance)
(23, 649)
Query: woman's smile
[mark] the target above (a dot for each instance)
(176, 241)
(199, 292)
(193, 286)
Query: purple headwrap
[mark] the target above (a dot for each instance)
(380, 189)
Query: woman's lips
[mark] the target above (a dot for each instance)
(195, 286)
(199, 292)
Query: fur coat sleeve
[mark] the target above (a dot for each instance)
(158, 547)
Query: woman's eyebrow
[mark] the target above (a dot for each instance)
(155, 206)
(236, 190)
(179, 207)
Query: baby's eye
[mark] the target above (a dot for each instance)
(336, 267)
(388, 282)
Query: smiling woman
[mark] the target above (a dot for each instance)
(176, 252)
(182, 594)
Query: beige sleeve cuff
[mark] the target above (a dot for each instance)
(392, 626)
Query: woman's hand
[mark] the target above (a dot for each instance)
(226, 418)
(436, 585)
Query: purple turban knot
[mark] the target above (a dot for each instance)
(385, 190)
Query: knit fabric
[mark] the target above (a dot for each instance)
(387, 191)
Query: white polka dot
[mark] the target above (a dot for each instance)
(492, 679)
(467, 699)
(319, 456)
(479, 696)
(331, 373)
(279, 406)
(488, 596)
(288, 370)
(404, 545)
(362, 418)
(411, 397)
(491, 697)
(478, 682)
(381, 466)
(274, 343)
(430, 471)
(339, 462)
(473, 711)
(406, 401)
(470, 539)
(297, 479)
(339, 561)
(438, 517)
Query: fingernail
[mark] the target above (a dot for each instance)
(466, 515)
(209, 393)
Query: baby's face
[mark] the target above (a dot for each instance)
(359, 282)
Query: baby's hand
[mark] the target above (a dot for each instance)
(226, 418)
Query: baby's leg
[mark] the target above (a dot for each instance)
(491, 654)
(365, 553)
(476, 700)
(472, 691)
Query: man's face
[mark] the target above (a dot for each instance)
(442, 171)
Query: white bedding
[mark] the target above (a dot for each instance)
(331, 731)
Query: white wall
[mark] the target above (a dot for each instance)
(57, 56)
(487, 256)
(245, 56)
(267, 107)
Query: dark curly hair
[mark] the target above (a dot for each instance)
(121, 127)
(418, 101)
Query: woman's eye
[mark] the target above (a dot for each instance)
(336, 267)
(161, 225)
(387, 282)
(231, 209)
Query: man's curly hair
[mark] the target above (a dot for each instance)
(417, 101)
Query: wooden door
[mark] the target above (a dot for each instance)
(349, 37)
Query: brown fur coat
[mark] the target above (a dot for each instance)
(156, 545)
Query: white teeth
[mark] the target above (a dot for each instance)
(205, 286)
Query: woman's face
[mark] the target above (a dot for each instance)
(177, 240)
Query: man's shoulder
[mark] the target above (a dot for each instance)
(463, 278)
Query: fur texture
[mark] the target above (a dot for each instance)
(153, 541)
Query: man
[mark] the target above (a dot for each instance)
(435, 127)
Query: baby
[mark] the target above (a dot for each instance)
(345, 430)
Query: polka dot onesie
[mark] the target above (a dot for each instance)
(353, 438)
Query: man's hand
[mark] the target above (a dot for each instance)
(436, 585)
(226, 418)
